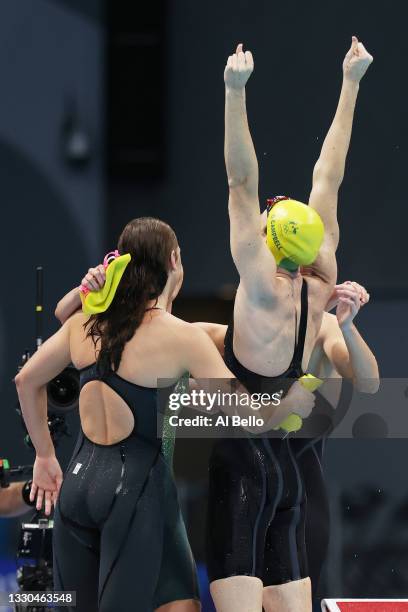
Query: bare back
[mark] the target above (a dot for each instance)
(160, 352)
(150, 359)
(265, 328)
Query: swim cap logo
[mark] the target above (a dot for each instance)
(274, 234)
(291, 227)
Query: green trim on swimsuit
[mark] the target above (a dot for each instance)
(169, 432)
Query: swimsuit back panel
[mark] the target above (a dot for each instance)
(143, 402)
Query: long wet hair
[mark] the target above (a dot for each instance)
(150, 243)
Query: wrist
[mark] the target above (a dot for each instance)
(236, 92)
(350, 83)
(46, 452)
(347, 328)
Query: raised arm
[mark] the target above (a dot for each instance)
(68, 305)
(94, 280)
(248, 250)
(329, 170)
(344, 346)
(240, 157)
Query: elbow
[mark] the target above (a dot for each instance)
(367, 385)
(20, 380)
(323, 172)
(236, 181)
(58, 313)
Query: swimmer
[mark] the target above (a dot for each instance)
(119, 535)
(287, 266)
(339, 352)
(284, 305)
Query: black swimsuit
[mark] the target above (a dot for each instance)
(119, 537)
(257, 500)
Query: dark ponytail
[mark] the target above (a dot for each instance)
(150, 243)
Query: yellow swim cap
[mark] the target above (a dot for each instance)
(294, 232)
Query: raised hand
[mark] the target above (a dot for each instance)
(239, 68)
(95, 278)
(350, 300)
(357, 61)
(334, 298)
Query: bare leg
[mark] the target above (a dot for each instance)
(293, 596)
(243, 593)
(185, 605)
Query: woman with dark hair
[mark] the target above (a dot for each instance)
(119, 538)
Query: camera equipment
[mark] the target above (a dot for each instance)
(8, 474)
(63, 390)
(34, 553)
